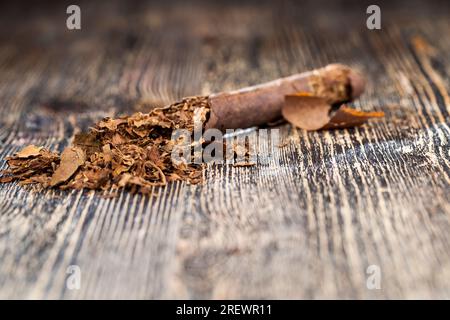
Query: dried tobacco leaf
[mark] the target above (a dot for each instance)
(306, 112)
(132, 152)
(7, 179)
(346, 117)
(310, 112)
(88, 142)
(28, 151)
(35, 168)
(71, 159)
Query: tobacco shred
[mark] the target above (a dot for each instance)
(71, 159)
(345, 117)
(132, 152)
(311, 112)
(28, 151)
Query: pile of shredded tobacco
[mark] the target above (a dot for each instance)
(132, 152)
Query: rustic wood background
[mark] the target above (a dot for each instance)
(307, 224)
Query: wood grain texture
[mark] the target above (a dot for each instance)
(305, 224)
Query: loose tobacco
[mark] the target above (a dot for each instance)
(132, 152)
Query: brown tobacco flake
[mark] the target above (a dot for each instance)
(71, 159)
(88, 142)
(35, 168)
(306, 112)
(28, 151)
(346, 117)
(310, 112)
(132, 152)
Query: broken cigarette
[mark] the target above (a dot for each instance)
(262, 103)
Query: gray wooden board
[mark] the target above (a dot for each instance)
(307, 224)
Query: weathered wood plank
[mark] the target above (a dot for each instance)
(307, 224)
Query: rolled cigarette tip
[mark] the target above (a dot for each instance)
(357, 82)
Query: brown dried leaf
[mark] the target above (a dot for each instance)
(25, 168)
(118, 139)
(88, 142)
(7, 179)
(128, 152)
(107, 154)
(306, 111)
(111, 124)
(314, 113)
(71, 159)
(346, 117)
(28, 151)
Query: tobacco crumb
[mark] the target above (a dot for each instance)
(71, 159)
(131, 152)
(283, 144)
(28, 151)
(345, 117)
(36, 168)
(312, 112)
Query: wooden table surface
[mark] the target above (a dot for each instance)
(308, 224)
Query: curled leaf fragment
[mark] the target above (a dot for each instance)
(346, 117)
(28, 151)
(311, 113)
(71, 159)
